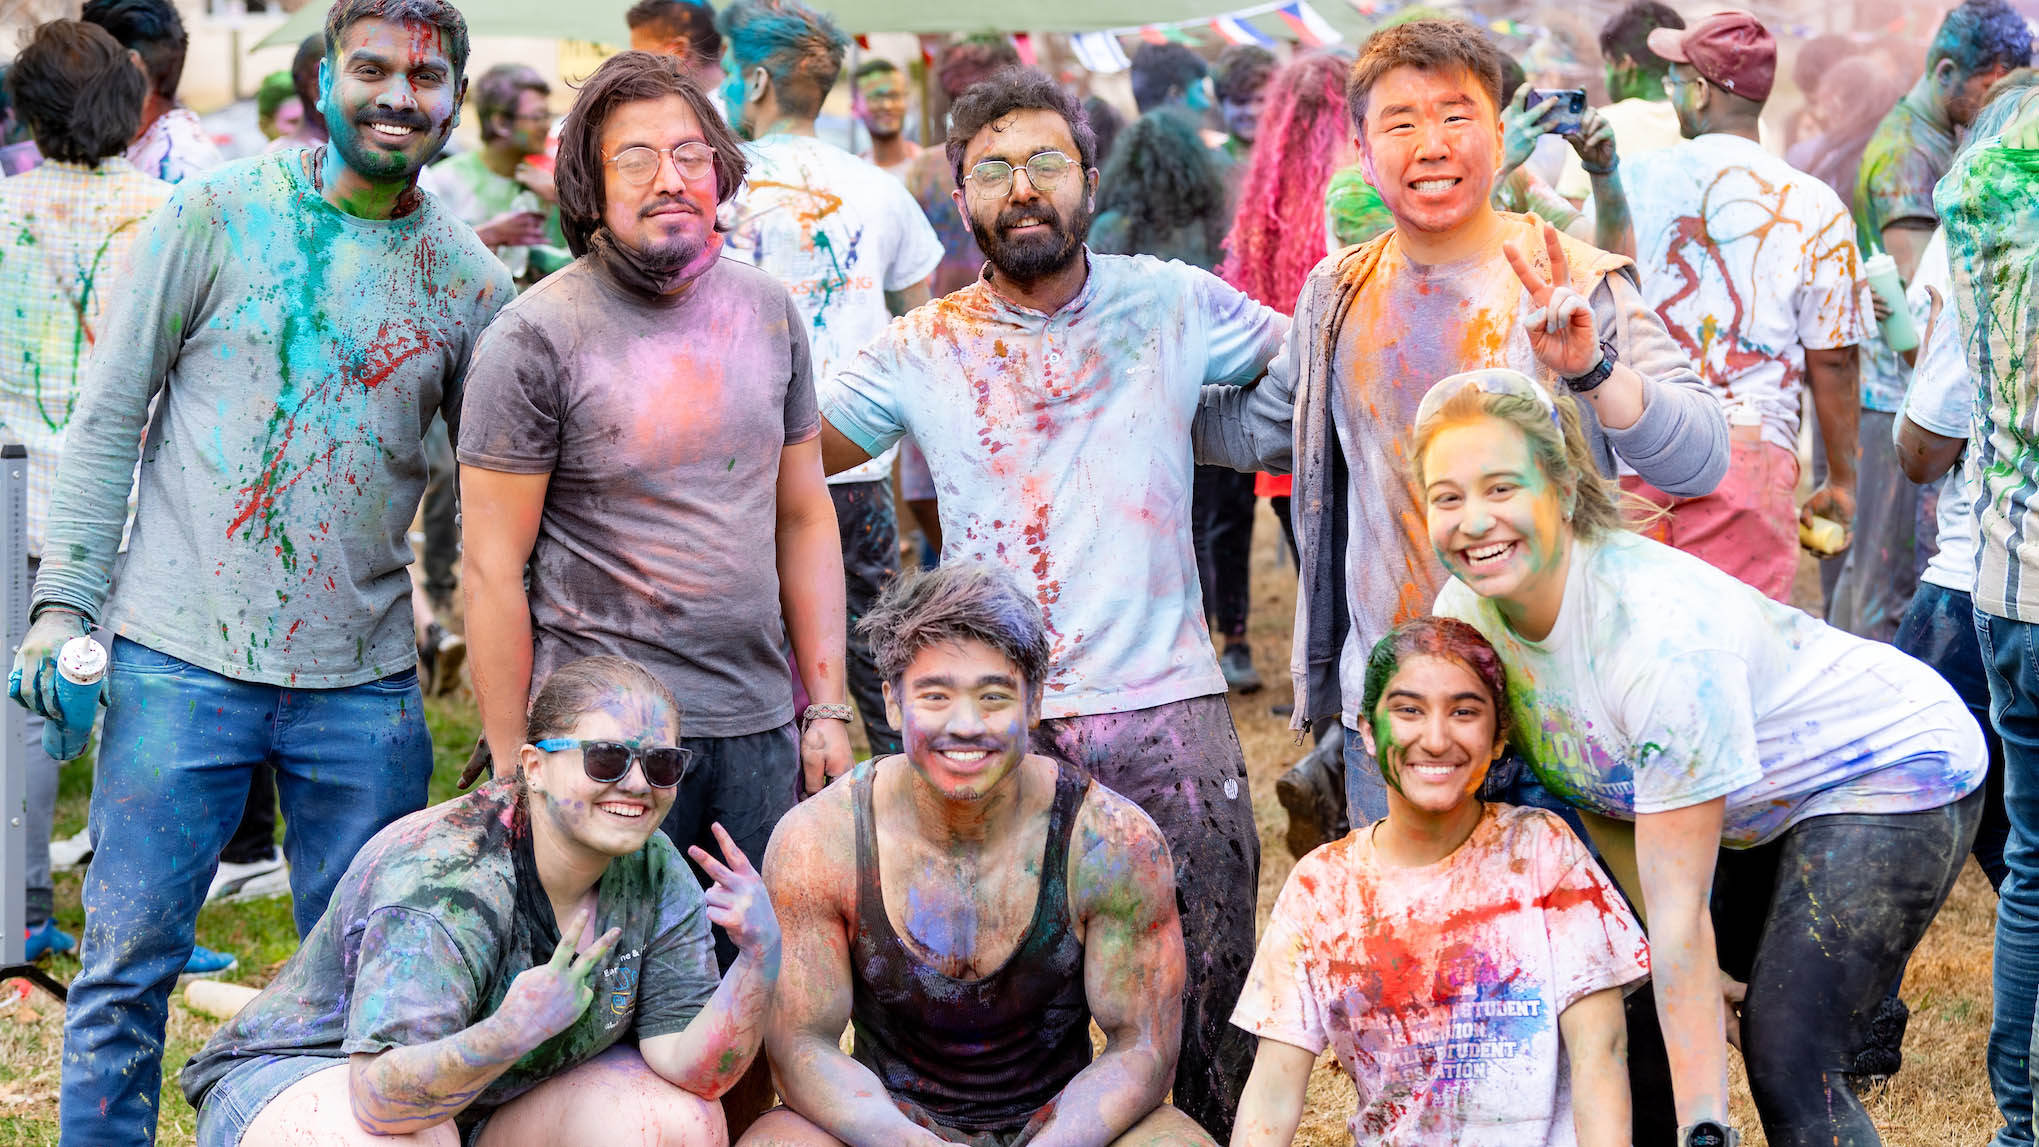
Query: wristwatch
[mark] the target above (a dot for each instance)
(1589, 381)
(1708, 1133)
(824, 711)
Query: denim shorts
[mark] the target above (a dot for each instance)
(241, 1094)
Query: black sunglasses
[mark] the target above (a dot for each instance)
(609, 761)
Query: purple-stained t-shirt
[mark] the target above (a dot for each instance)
(661, 422)
(435, 918)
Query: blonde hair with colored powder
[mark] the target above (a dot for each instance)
(1598, 507)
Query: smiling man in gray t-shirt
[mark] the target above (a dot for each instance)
(288, 328)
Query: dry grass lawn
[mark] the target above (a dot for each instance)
(1940, 1099)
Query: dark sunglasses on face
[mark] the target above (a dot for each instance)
(607, 762)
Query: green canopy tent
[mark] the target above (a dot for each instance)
(602, 20)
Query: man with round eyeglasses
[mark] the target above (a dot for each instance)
(640, 432)
(1054, 399)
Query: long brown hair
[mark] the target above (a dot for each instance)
(628, 77)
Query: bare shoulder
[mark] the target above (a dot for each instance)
(815, 843)
(1117, 857)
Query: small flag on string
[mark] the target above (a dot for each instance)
(1233, 30)
(1153, 34)
(1025, 45)
(1099, 52)
(1310, 27)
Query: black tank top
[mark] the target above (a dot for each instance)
(977, 1055)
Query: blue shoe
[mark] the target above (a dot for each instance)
(205, 963)
(46, 939)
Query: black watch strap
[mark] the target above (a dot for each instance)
(1708, 1133)
(1591, 380)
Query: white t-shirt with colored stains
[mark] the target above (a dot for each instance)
(1439, 988)
(839, 233)
(1060, 449)
(1666, 683)
(1750, 263)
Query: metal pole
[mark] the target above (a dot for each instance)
(15, 756)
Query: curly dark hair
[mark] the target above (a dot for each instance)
(628, 77)
(1161, 179)
(1013, 90)
(74, 87)
(151, 29)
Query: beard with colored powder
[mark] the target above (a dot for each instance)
(1035, 257)
(348, 136)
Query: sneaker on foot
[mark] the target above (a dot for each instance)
(439, 661)
(73, 851)
(206, 963)
(45, 939)
(1237, 666)
(234, 881)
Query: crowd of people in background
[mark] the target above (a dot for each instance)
(721, 438)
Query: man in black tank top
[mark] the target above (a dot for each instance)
(999, 903)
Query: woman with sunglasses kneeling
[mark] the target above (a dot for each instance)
(1787, 803)
(440, 1001)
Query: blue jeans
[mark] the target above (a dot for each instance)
(176, 752)
(2010, 652)
(1939, 629)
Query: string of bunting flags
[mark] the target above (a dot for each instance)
(1102, 52)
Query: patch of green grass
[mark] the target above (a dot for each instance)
(261, 933)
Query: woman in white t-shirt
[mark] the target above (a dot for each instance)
(1819, 789)
(1464, 961)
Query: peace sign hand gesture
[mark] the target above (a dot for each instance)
(546, 1000)
(737, 902)
(1561, 330)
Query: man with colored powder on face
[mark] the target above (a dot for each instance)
(853, 248)
(172, 144)
(1054, 399)
(1753, 272)
(1977, 43)
(67, 226)
(1000, 900)
(881, 105)
(1640, 112)
(291, 325)
(640, 433)
(1455, 285)
(684, 30)
(1239, 79)
(1985, 204)
(503, 189)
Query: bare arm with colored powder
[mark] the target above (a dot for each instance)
(1835, 378)
(499, 526)
(811, 598)
(408, 1089)
(717, 1047)
(1595, 1031)
(1122, 891)
(1271, 1107)
(815, 894)
(1675, 854)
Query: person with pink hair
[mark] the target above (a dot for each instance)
(1278, 230)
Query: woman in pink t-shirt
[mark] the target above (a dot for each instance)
(1463, 960)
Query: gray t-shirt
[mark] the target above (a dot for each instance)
(435, 918)
(295, 355)
(660, 422)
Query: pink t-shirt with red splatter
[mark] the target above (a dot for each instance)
(1439, 988)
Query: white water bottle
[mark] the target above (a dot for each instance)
(1899, 333)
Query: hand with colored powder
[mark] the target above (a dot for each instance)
(1561, 329)
(1521, 127)
(34, 681)
(737, 901)
(546, 1000)
(1594, 142)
